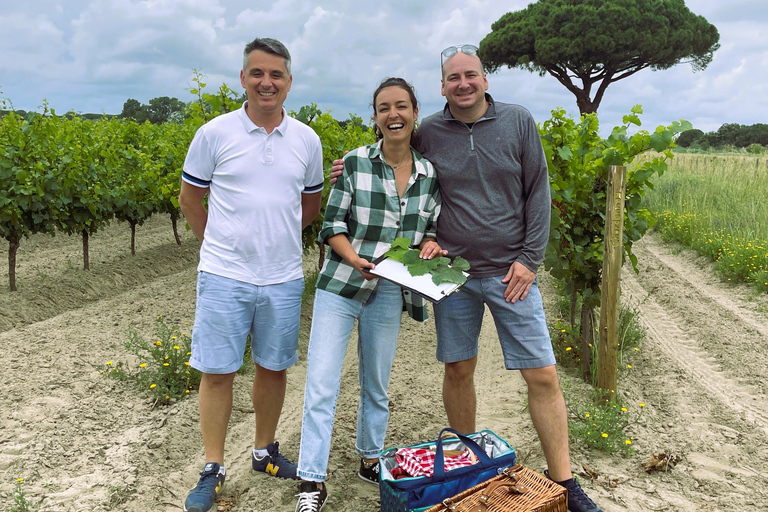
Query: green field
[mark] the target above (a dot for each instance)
(716, 204)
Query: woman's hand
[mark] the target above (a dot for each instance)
(430, 249)
(361, 265)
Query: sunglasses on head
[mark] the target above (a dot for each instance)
(467, 49)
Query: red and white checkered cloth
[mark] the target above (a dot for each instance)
(421, 462)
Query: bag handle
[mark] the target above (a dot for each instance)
(439, 473)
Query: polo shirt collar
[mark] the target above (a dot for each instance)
(489, 114)
(250, 126)
(377, 153)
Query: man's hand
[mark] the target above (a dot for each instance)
(518, 280)
(361, 265)
(430, 249)
(338, 166)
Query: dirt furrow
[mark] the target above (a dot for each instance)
(676, 302)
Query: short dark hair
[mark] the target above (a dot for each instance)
(267, 45)
(394, 82)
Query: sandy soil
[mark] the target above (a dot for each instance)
(86, 443)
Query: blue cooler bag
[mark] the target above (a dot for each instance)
(414, 494)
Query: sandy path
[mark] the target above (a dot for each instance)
(86, 443)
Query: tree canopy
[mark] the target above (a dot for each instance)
(160, 110)
(584, 42)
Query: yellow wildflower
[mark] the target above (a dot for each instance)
(568, 349)
(109, 363)
(627, 442)
(605, 435)
(176, 347)
(166, 364)
(642, 404)
(152, 386)
(143, 365)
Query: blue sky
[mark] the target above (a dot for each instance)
(92, 55)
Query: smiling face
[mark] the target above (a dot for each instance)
(266, 81)
(395, 114)
(464, 85)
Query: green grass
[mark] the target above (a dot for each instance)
(715, 204)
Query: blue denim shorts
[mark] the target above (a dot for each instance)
(227, 310)
(521, 326)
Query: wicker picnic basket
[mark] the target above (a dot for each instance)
(517, 489)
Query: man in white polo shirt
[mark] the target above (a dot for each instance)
(262, 171)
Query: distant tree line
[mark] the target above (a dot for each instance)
(752, 137)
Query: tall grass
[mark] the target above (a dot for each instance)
(717, 205)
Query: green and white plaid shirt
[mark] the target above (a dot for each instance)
(364, 205)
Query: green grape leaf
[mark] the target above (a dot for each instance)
(410, 258)
(460, 264)
(420, 268)
(400, 247)
(448, 275)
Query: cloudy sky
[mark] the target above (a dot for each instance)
(92, 55)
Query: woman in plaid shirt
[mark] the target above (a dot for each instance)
(387, 190)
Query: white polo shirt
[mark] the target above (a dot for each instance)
(256, 180)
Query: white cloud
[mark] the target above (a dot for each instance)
(91, 55)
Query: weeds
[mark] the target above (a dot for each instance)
(743, 260)
(603, 424)
(163, 369)
(20, 503)
(566, 340)
(120, 495)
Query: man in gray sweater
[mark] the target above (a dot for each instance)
(496, 207)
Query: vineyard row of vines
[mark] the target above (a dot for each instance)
(74, 176)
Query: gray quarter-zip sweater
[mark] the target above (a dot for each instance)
(495, 187)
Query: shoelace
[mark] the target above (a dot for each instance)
(307, 501)
(575, 492)
(208, 482)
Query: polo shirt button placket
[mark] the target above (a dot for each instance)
(268, 151)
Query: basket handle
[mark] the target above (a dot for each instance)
(514, 486)
(483, 459)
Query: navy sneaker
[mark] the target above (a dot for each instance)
(312, 497)
(369, 472)
(578, 501)
(275, 464)
(203, 497)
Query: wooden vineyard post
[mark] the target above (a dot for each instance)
(614, 246)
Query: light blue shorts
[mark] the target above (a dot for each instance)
(521, 326)
(227, 310)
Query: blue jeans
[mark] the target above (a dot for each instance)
(332, 322)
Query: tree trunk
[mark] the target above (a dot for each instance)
(175, 230)
(585, 104)
(321, 257)
(13, 246)
(587, 328)
(133, 238)
(86, 262)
